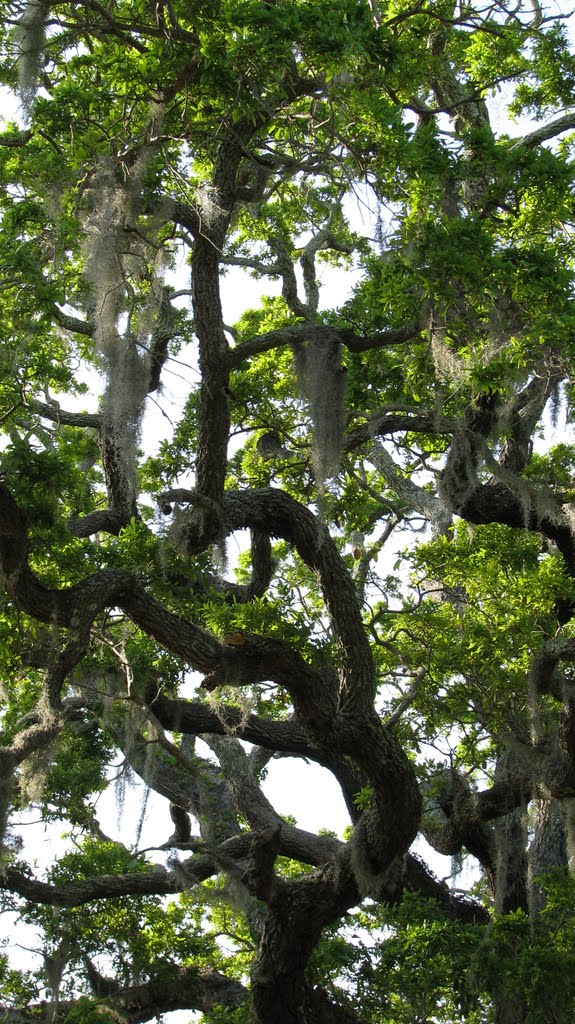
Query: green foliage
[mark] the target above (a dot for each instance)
(420, 966)
(88, 1011)
(424, 970)
(292, 140)
(18, 987)
(139, 938)
(364, 798)
(555, 80)
(487, 602)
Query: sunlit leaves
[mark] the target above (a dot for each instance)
(481, 666)
(128, 937)
(276, 137)
(553, 87)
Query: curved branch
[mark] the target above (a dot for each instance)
(429, 505)
(73, 323)
(507, 498)
(101, 887)
(196, 718)
(178, 988)
(297, 332)
(388, 828)
(545, 132)
(270, 340)
(351, 728)
(381, 339)
(71, 419)
(102, 520)
(322, 239)
(286, 269)
(418, 878)
(262, 572)
(456, 816)
(257, 659)
(282, 516)
(175, 988)
(522, 507)
(390, 421)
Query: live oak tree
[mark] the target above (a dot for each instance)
(402, 611)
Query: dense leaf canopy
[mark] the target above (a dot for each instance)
(401, 612)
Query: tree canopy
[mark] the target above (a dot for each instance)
(402, 610)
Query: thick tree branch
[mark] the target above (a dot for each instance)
(545, 132)
(282, 516)
(429, 505)
(156, 882)
(297, 915)
(418, 878)
(297, 332)
(103, 520)
(456, 816)
(197, 718)
(392, 824)
(178, 988)
(262, 573)
(73, 323)
(394, 421)
(258, 659)
(175, 988)
(72, 419)
(506, 498)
